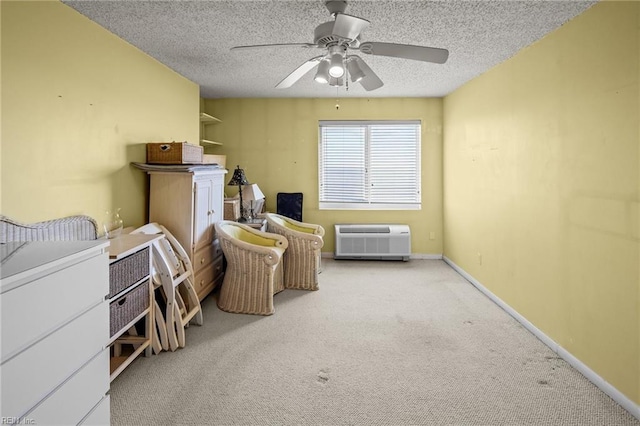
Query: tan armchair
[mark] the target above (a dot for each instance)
(302, 258)
(254, 268)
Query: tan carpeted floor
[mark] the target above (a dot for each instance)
(381, 343)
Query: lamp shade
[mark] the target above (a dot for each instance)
(252, 192)
(322, 76)
(336, 69)
(238, 178)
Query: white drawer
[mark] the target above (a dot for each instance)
(202, 258)
(203, 278)
(101, 415)
(39, 307)
(85, 390)
(44, 366)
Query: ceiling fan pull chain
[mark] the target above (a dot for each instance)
(346, 76)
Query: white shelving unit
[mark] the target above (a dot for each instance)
(129, 284)
(206, 120)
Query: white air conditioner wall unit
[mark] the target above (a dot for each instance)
(373, 241)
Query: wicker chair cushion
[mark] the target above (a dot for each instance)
(293, 225)
(250, 237)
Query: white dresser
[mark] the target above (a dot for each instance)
(54, 365)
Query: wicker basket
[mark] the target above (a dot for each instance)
(123, 310)
(128, 271)
(174, 153)
(231, 209)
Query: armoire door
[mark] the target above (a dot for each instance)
(203, 213)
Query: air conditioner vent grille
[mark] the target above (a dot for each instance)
(346, 229)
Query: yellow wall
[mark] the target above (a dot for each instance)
(79, 104)
(276, 142)
(541, 187)
(541, 160)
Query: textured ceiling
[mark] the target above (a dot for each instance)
(194, 39)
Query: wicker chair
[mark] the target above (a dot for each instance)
(254, 268)
(65, 229)
(302, 258)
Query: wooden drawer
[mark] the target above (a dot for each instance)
(52, 360)
(203, 278)
(218, 267)
(86, 389)
(217, 249)
(202, 258)
(52, 300)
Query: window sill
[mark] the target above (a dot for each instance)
(363, 206)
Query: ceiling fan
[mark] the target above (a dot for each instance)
(340, 36)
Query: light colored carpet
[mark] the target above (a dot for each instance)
(381, 343)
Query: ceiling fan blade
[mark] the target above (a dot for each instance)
(257, 46)
(406, 51)
(348, 26)
(370, 81)
(297, 74)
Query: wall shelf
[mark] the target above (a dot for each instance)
(207, 142)
(206, 120)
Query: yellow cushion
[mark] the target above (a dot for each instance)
(248, 237)
(294, 227)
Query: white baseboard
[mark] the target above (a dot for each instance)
(417, 256)
(426, 256)
(591, 375)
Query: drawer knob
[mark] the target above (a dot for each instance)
(202, 260)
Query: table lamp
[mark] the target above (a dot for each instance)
(252, 192)
(239, 179)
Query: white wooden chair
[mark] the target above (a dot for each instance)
(172, 270)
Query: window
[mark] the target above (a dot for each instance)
(369, 165)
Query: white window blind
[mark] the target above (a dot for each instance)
(369, 165)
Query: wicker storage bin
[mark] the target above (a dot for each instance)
(123, 310)
(231, 209)
(174, 153)
(128, 271)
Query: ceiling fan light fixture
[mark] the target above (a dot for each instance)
(336, 69)
(322, 76)
(336, 82)
(355, 71)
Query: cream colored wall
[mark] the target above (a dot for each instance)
(79, 105)
(541, 187)
(276, 142)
